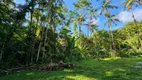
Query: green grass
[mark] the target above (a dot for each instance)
(106, 69)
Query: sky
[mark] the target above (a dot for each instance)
(123, 16)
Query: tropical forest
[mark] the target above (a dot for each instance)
(70, 39)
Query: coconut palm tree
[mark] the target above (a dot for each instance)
(129, 5)
(111, 19)
(105, 5)
(82, 7)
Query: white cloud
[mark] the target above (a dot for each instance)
(126, 16)
(93, 21)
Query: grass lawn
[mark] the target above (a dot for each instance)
(106, 69)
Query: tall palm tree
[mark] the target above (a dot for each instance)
(81, 6)
(111, 19)
(105, 5)
(129, 4)
(91, 25)
(53, 17)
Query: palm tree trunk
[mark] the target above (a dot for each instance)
(139, 39)
(32, 46)
(40, 44)
(112, 39)
(45, 43)
(39, 49)
(88, 32)
(79, 30)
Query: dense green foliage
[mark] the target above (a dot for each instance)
(127, 40)
(45, 31)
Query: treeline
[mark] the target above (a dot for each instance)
(127, 41)
(42, 31)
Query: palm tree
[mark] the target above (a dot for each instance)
(111, 19)
(105, 6)
(91, 26)
(81, 6)
(50, 20)
(129, 4)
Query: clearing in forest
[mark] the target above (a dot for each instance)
(105, 69)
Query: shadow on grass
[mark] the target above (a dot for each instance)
(106, 69)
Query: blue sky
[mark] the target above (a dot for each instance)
(124, 16)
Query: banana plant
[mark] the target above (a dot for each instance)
(70, 43)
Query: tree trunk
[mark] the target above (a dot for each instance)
(139, 39)
(112, 39)
(1, 54)
(79, 30)
(88, 32)
(45, 43)
(32, 36)
(39, 49)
